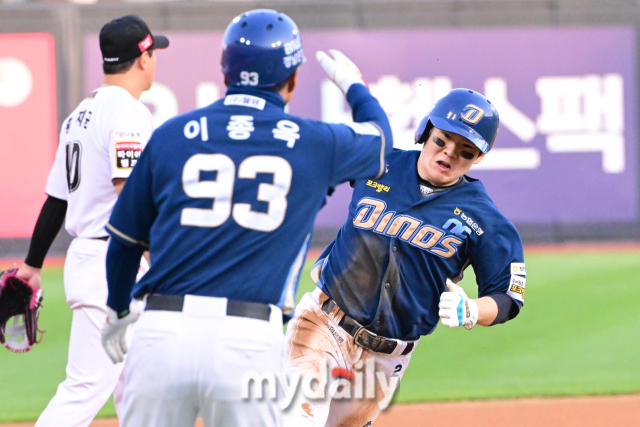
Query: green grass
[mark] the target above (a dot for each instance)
(28, 381)
(577, 335)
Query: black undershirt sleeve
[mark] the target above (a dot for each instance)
(507, 308)
(47, 227)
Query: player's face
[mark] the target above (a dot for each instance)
(446, 156)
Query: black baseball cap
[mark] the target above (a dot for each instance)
(126, 38)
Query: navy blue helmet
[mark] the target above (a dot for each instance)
(466, 113)
(261, 48)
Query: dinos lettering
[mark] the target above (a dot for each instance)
(371, 215)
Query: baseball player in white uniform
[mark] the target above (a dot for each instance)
(100, 143)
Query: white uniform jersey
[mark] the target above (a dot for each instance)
(100, 141)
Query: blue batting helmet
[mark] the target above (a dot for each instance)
(466, 113)
(261, 48)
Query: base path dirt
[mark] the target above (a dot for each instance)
(618, 411)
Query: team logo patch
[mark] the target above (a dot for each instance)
(517, 287)
(379, 187)
(472, 114)
(457, 228)
(127, 154)
(518, 268)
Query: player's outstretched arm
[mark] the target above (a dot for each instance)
(456, 309)
(346, 75)
(342, 71)
(487, 311)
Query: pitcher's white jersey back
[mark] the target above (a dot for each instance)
(100, 141)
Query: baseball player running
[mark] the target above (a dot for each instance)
(100, 142)
(390, 273)
(224, 198)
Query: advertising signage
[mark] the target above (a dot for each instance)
(566, 151)
(29, 129)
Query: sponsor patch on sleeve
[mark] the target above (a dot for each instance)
(518, 268)
(516, 287)
(127, 154)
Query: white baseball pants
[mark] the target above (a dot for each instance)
(192, 362)
(317, 346)
(91, 375)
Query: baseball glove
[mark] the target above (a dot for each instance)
(19, 310)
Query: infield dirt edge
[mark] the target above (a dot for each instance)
(600, 411)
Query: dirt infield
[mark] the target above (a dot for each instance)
(619, 411)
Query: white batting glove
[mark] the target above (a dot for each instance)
(340, 69)
(456, 309)
(114, 333)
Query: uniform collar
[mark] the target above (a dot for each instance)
(268, 95)
(410, 177)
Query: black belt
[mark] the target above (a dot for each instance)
(252, 310)
(104, 238)
(363, 337)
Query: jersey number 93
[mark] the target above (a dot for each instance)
(221, 191)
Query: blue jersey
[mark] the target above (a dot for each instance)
(225, 196)
(389, 263)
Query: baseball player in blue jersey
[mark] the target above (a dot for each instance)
(224, 198)
(390, 273)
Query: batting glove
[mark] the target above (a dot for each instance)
(114, 333)
(340, 69)
(456, 309)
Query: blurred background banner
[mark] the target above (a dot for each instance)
(563, 74)
(28, 123)
(567, 147)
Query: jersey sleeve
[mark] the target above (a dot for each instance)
(129, 133)
(135, 211)
(57, 185)
(316, 270)
(361, 147)
(499, 264)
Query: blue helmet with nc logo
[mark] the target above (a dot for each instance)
(464, 112)
(261, 48)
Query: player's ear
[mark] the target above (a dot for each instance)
(478, 159)
(293, 81)
(143, 60)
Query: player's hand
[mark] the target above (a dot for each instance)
(114, 333)
(30, 275)
(456, 309)
(340, 69)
